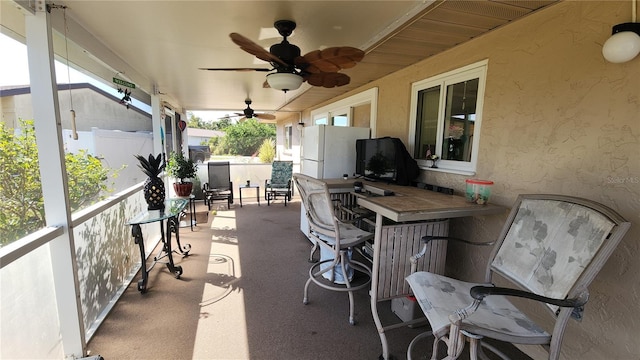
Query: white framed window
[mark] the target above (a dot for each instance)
(338, 117)
(340, 112)
(341, 117)
(288, 137)
(446, 119)
(321, 120)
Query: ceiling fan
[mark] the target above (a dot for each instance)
(318, 67)
(248, 113)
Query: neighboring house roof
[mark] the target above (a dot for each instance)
(13, 90)
(205, 133)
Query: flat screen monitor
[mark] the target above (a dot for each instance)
(376, 159)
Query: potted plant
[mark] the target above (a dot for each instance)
(154, 192)
(183, 169)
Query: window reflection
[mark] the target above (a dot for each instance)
(321, 121)
(459, 120)
(340, 120)
(459, 114)
(427, 129)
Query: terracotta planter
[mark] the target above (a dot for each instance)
(183, 189)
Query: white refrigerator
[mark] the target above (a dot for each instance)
(328, 152)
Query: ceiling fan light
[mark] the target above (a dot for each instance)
(284, 81)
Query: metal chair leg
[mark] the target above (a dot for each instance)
(305, 299)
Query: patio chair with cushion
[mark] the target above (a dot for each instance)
(337, 241)
(548, 252)
(219, 186)
(280, 184)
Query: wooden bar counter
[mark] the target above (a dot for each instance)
(414, 212)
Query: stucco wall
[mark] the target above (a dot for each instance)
(557, 119)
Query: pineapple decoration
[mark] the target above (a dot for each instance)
(154, 186)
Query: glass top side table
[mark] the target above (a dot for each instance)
(169, 219)
(250, 186)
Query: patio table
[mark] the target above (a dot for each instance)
(169, 219)
(250, 186)
(403, 214)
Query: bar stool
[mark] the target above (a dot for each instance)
(336, 239)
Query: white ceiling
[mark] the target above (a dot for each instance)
(160, 45)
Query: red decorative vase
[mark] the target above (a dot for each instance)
(183, 189)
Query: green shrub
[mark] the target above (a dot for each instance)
(267, 151)
(21, 200)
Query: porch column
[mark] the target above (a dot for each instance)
(53, 176)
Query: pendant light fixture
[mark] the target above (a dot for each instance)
(284, 81)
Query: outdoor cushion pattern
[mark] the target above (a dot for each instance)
(549, 244)
(281, 172)
(494, 315)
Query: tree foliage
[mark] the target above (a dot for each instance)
(21, 200)
(197, 123)
(246, 137)
(21, 203)
(222, 123)
(88, 179)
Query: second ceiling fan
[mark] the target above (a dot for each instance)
(248, 113)
(318, 67)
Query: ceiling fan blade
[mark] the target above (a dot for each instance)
(331, 59)
(255, 49)
(328, 80)
(237, 69)
(265, 116)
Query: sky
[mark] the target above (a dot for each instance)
(14, 70)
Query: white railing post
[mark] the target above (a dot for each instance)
(48, 129)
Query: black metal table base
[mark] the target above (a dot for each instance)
(257, 187)
(172, 225)
(192, 213)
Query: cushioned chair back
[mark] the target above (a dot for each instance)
(554, 245)
(281, 172)
(317, 202)
(219, 175)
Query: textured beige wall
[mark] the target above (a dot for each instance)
(557, 119)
